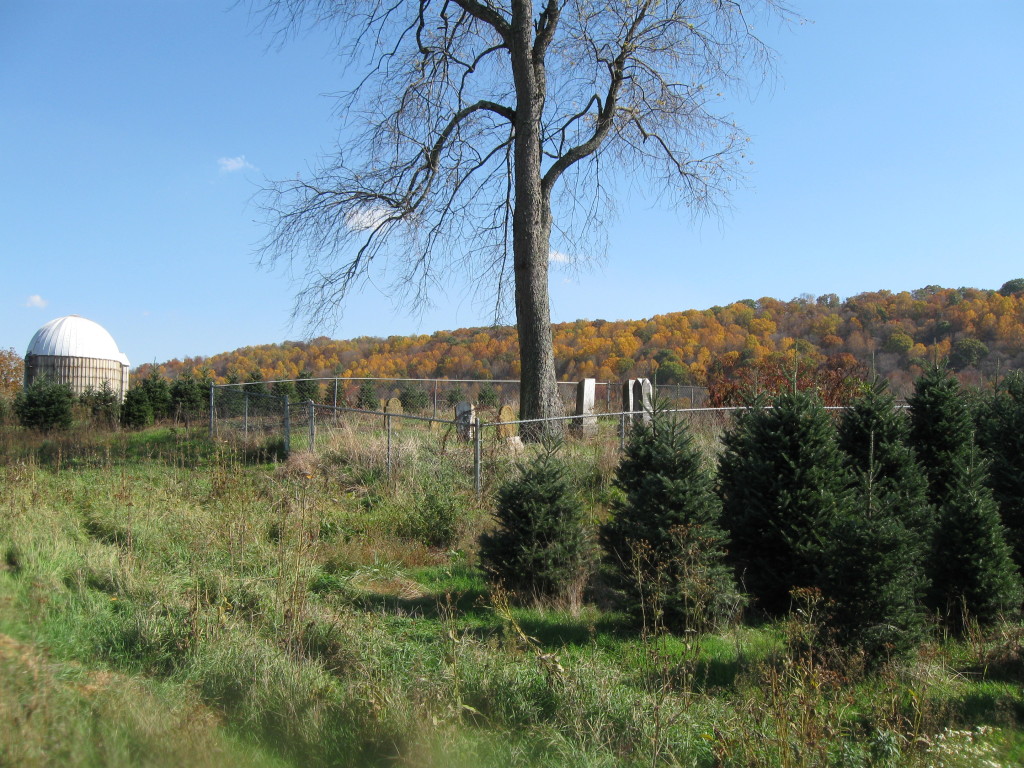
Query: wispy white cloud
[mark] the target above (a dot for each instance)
(557, 257)
(233, 164)
(35, 300)
(366, 218)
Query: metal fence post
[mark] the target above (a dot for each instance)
(387, 428)
(435, 399)
(287, 427)
(476, 456)
(245, 410)
(312, 425)
(213, 412)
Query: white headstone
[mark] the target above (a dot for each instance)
(643, 400)
(586, 392)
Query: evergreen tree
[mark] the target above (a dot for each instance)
(158, 393)
(664, 541)
(306, 388)
(283, 389)
(103, 404)
(367, 399)
(413, 397)
(972, 571)
(189, 397)
(941, 431)
(542, 549)
(1000, 425)
(255, 385)
(487, 397)
(45, 405)
(782, 483)
(136, 411)
(872, 575)
(873, 435)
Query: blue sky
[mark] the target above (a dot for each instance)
(135, 133)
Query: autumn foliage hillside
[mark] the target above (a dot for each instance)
(979, 332)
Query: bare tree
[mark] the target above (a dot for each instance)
(479, 118)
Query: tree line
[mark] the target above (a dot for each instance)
(730, 349)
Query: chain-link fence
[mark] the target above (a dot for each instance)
(389, 424)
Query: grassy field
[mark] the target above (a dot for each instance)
(169, 601)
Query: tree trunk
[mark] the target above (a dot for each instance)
(531, 235)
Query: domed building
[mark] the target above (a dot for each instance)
(76, 351)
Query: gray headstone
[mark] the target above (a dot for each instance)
(586, 392)
(465, 420)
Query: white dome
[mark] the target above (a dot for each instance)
(74, 336)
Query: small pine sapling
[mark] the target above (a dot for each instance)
(542, 549)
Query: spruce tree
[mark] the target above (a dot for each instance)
(941, 429)
(136, 411)
(158, 393)
(45, 405)
(1000, 425)
(542, 548)
(664, 541)
(873, 436)
(872, 575)
(367, 398)
(307, 388)
(972, 571)
(782, 483)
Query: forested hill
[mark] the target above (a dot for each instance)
(980, 333)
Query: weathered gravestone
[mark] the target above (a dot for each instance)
(586, 392)
(627, 395)
(394, 405)
(465, 420)
(643, 401)
(506, 430)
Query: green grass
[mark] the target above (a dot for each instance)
(165, 600)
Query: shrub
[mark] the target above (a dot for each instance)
(542, 549)
(45, 405)
(782, 482)
(664, 541)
